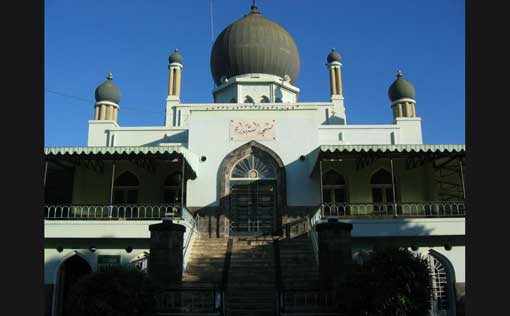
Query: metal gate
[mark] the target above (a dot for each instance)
(252, 206)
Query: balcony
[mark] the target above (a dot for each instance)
(112, 212)
(112, 221)
(429, 209)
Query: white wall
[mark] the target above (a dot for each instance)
(359, 134)
(295, 136)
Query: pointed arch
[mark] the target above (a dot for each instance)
(127, 178)
(382, 186)
(63, 282)
(172, 188)
(248, 99)
(224, 179)
(443, 284)
(334, 187)
(125, 188)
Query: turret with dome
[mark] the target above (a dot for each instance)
(401, 94)
(107, 97)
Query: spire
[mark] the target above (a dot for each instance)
(254, 8)
(110, 76)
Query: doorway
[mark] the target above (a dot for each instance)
(253, 205)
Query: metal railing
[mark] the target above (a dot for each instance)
(307, 302)
(400, 209)
(296, 228)
(112, 212)
(190, 301)
(250, 226)
(312, 221)
(193, 232)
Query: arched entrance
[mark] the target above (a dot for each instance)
(443, 285)
(69, 272)
(253, 190)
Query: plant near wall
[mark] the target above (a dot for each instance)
(115, 292)
(392, 282)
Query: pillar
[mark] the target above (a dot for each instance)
(178, 82)
(335, 252)
(332, 82)
(166, 256)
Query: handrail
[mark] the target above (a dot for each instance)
(111, 211)
(301, 222)
(307, 301)
(312, 221)
(190, 301)
(188, 245)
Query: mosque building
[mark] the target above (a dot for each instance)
(257, 164)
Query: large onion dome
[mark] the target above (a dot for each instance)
(254, 44)
(108, 91)
(401, 88)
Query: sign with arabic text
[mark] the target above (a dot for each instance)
(252, 130)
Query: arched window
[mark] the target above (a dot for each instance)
(264, 99)
(253, 167)
(442, 275)
(248, 99)
(172, 188)
(382, 192)
(382, 187)
(125, 188)
(333, 188)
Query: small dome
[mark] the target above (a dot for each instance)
(334, 56)
(108, 91)
(401, 88)
(254, 44)
(176, 57)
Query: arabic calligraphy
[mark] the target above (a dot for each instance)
(252, 130)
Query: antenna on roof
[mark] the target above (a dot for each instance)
(212, 26)
(212, 35)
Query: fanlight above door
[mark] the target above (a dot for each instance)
(253, 167)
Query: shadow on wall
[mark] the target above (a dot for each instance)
(181, 137)
(334, 120)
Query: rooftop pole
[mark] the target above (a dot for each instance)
(111, 189)
(393, 188)
(462, 179)
(45, 173)
(320, 179)
(182, 184)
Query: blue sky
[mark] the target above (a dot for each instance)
(133, 39)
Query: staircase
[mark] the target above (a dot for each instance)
(297, 261)
(251, 278)
(205, 265)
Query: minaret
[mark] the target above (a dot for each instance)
(174, 77)
(337, 115)
(335, 73)
(401, 94)
(107, 100)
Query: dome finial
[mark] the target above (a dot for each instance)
(254, 8)
(399, 73)
(110, 76)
